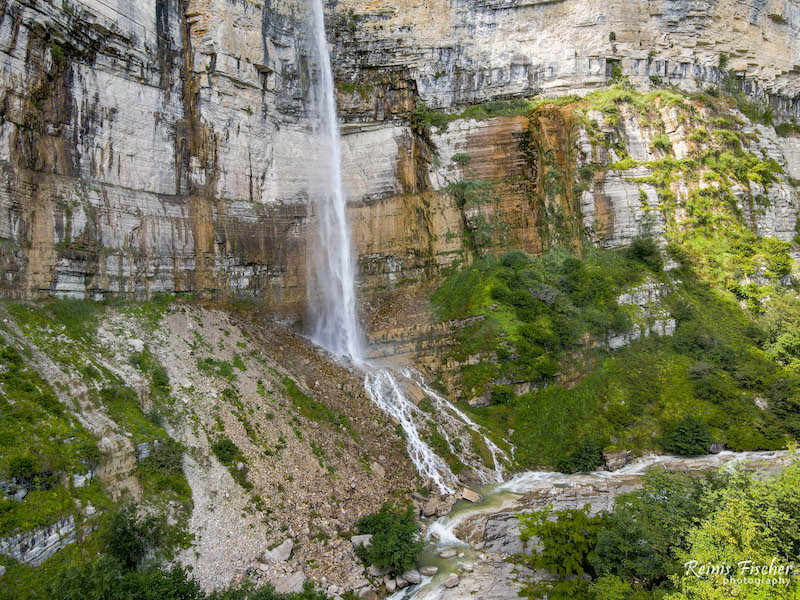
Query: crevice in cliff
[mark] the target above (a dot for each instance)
(196, 167)
(548, 144)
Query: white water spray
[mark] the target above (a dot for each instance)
(335, 320)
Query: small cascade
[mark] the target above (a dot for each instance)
(450, 417)
(386, 392)
(389, 390)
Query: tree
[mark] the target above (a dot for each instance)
(395, 543)
(639, 538)
(731, 535)
(128, 537)
(588, 456)
(566, 540)
(688, 437)
(100, 580)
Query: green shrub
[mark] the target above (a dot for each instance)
(469, 192)
(639, 538)
(164, 467)
(461, 158)
(216, 368)
(99, 580)
(105, 579)
(502, 393)
(515, 259)
(662, 142)
(644, 248)
(395, 543)
(128, 537)
(226, 451)
(688, 437)
(22, 468)
(160, 379)
(588, 456)
(786, 129)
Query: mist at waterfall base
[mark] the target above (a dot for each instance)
(333, 290)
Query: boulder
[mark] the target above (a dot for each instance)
(378, 470)
(142, 451)
(401, 583)
(429, 571)
(282, 552)
(413, 577)
(449, 553)
(414, 393)
(469, 495)
(376, 571)
(361, 540)
(444, 509)
(80, 480)
(391, 585)
(451, 581)
(430, 507)
(616, 460)
(2, 570)
(291, 584)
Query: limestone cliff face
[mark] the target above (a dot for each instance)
(160, 145)
(464, 52)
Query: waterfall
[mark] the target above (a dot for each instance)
(335, 321)
(336, 325)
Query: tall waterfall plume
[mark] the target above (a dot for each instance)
(336, 324)
(335, 321)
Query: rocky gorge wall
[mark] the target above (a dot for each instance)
(153, 146)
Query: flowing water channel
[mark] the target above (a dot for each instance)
(443, 533)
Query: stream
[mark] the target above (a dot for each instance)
(533, 490)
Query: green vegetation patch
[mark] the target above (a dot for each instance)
(148, 364)
(423, 118)
(216, 368)
(122, 404)
(312, 409)
(40, 443)
(680, 394)
(533, 310)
